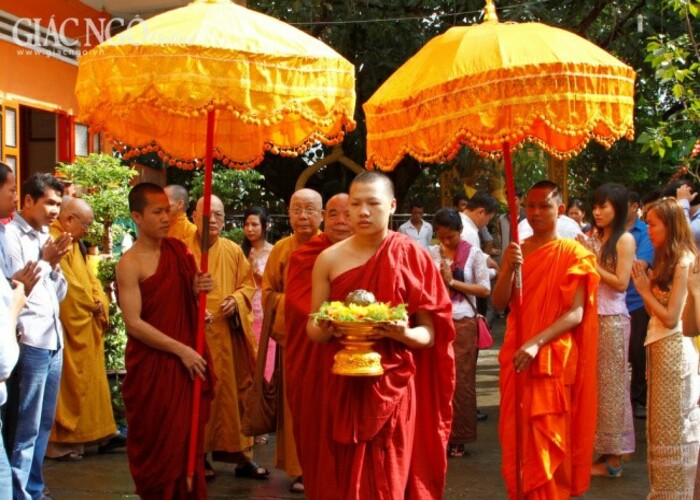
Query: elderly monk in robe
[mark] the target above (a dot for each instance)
(84, 411)
(180, 226)
(305, 216)
(556, 360)
(303, 358)
(158, 284)
(231, 342)
(382, 437)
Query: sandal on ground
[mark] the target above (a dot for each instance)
(604, 469)
(455, 450)
(209, 474)
(115, 442)
(70, 457)
(252, 470)
(297, 485)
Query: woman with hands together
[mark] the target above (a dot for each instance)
(673, 416)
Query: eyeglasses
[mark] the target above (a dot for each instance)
(85, 226)
(307, 211)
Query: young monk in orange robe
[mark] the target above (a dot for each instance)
(158, 285)
(382, 437)
(556, 361)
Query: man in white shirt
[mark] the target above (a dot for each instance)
(416, 227)
(28, 275)
(504, 220)
(38, 371)
(481, 208)
(11, 302)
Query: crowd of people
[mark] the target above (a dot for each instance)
(601, 299)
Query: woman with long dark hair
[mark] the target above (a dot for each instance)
(466, 276)
(614, 248)
(673, 385)
(256, 247)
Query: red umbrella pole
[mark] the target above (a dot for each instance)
(204, 267)
(517, 313)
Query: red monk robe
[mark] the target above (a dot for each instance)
(384, 437)
(158, 389)
(304, 359)
(560, 386)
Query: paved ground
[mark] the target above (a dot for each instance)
(476, 476)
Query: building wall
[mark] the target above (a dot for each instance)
(39, 90)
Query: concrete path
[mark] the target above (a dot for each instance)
(475, 477)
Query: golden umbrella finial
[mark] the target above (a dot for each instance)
(490, 12)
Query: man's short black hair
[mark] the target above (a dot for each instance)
(448, 218)
(482, 199)
(138, 196)
(652, 196)
(633, 197)
(36, 185)
(671, 188)
(5, 172)
(552, 186)
(459, 197)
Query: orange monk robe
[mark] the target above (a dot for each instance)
(274, 284)
(84, 410)
(560, 386)
(182, 228)
(232, 278)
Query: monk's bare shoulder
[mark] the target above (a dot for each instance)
(137, 263)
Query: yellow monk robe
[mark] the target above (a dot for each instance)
(233, 277)
(84, 410)
(274, 283)
(182, 228)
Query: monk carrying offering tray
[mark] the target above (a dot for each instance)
(353, 322)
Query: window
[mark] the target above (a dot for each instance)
(82, 140)
(10, 127)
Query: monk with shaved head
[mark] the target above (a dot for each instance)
(159, 284)
(382, 436)
(180, 226)
(304, 371)
(305, 216)
(84, 411)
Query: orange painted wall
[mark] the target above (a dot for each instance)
(29, 77)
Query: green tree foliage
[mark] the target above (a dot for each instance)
(378, 48)
(103, 182)
(675, 59)
(238, 189)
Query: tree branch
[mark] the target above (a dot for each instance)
(691, 34)
(587, 21)
(617, 29)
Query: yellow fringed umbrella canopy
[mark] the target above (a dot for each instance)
(491, 83)
(213, 79)
(492, 87)
(272, 86)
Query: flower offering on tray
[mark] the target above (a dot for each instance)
(377, 312)
(353, 321)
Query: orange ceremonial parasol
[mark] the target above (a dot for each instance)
(492, 87)
(213, 79)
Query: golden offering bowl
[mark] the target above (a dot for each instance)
(356, 359)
